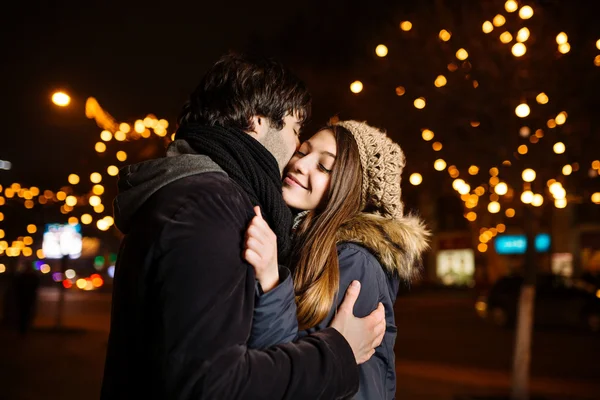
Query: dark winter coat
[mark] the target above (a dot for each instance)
(378, 252)
(184, 299)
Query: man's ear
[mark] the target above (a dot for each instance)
(260, 127)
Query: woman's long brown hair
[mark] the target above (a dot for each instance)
(314, 254)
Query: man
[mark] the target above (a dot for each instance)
(184, 298)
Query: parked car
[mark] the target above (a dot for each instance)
(559, 301)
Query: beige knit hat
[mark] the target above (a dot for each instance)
(382, 162)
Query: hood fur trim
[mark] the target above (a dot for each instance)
(396, 243)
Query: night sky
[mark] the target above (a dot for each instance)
(141, 58)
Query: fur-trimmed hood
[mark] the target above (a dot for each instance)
(396, 243)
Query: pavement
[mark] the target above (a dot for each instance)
(67, 364)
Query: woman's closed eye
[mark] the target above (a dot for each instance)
(323, 169)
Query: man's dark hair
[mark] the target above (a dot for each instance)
(238, 87)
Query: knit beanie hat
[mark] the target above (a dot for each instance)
(382, 162)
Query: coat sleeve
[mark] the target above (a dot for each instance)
(275, 318)
(206, 300)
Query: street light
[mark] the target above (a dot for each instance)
(61, 99)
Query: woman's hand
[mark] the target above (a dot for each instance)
(261, 252)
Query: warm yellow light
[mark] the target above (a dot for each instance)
(505, 37)
(596, 164)
(462, 54)
(121, 156)
(27, 252)
(457, 184)
(560, 203)
(86, 219)
(427, 134)
(100, 147)
(98, 190)
(400, 90)
(102, 225)
(527, 196)
(112, 170)
(81, 283)
(73, 179)
(487, 27)
(501, 227)
(537, 200)
(381, 50)
(124, 127)
(445, 35)
(95, 177)
(561, 118)
(45, 268)
(139, 126)
(120, 136)
(473, 170)
(501, 188)
(109, 220)
(106, 135)
(31, 229)
(73, 221)
(542, 98)
(406, 26)
(482, 247)
(494, 171)
(471, 216)
(551, 123)
(494, 207)
(439, 164)
(511, 6)
(419, 103)
(61, 99)
(522, 149)
(510, 212)
(99, 209)
(567, 169)
(416, 179)
(440, 81)
(437, 146)
(562, 38)
(598, 44)
(60, 195)
(597, 61)
(356, 87)
(522, 110)
(596, 198)
(564, 48)
(523, 34)
(499, 20)
(2, 268)
(559, 147)
(453, 171)
(71, 201)
(94, 201)
(526, 12)
(464, 189)
(519, 49)
(528, 175)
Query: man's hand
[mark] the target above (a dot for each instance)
(261, 252)
(363, 334)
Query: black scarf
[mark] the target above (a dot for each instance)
(251, 166)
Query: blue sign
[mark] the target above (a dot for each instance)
(517, 244)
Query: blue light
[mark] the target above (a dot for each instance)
(517, 244)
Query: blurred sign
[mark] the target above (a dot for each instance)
(62, 240)
(456, 267)
(562, 264)
(517, 244)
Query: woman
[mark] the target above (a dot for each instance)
(345, 184)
